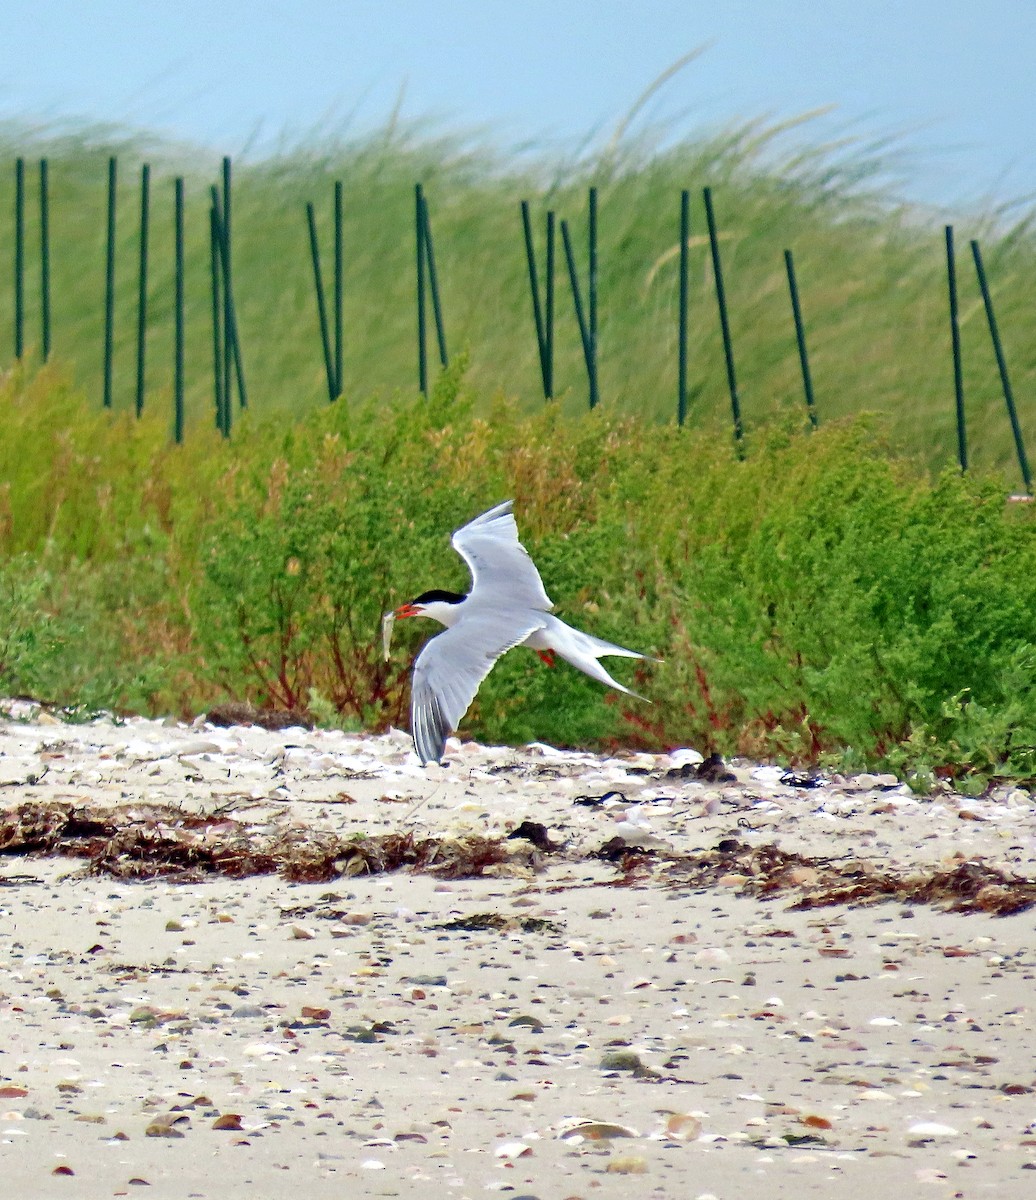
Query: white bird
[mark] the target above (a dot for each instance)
(506, 607)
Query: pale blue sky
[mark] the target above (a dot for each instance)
(957, 78)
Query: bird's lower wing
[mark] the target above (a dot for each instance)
(450, 669)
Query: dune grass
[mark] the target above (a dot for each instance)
(871, 273)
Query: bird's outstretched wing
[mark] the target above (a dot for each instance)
(502, 573)
(450, 669)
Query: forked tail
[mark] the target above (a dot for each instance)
(583, 650)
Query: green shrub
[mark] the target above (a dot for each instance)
(860, 606)
(57, 643)
(820, 601)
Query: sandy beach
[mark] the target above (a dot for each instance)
(684, 985)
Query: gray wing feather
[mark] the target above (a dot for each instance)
(450, 669)
(500, 565)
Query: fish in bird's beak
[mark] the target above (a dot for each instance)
(387, 621)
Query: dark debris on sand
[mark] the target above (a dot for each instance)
(239, 713)
(160, 841)
(970, 885)
(142, 841)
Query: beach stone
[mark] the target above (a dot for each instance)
(629, 1164)
(193, 746)
(166, 1126)
(532, 1023)
(620, 1060)
(931, 1129)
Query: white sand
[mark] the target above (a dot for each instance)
(458, 1063)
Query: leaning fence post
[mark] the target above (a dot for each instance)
(1001, 362)
(800, 338)
(958, 371)
(721, 302)
(577, 300)
(433, 282)
(231, 341)
(325, 340)
(534, 287)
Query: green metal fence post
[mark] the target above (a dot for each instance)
(577, 300)
(534, 288)
(433, 283)
(45, 255)
(1001, 362)
(145, 208)
(224, 229)
(339, 288)
(178, 313)
(217, 321)
(721, 301)
(231, 340)
(325, 339)
(958, 372)
(592, 291)
(109, 284)
(800, 338)
(548, 315)
(19, 257)
(681, 369)
(419, 232)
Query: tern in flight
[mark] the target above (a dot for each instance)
(506, 607)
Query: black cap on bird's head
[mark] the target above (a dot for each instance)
(416, 607)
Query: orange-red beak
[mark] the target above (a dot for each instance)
(407, 610)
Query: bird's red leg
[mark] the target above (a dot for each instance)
(547, 656)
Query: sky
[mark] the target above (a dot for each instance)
(953, 81)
